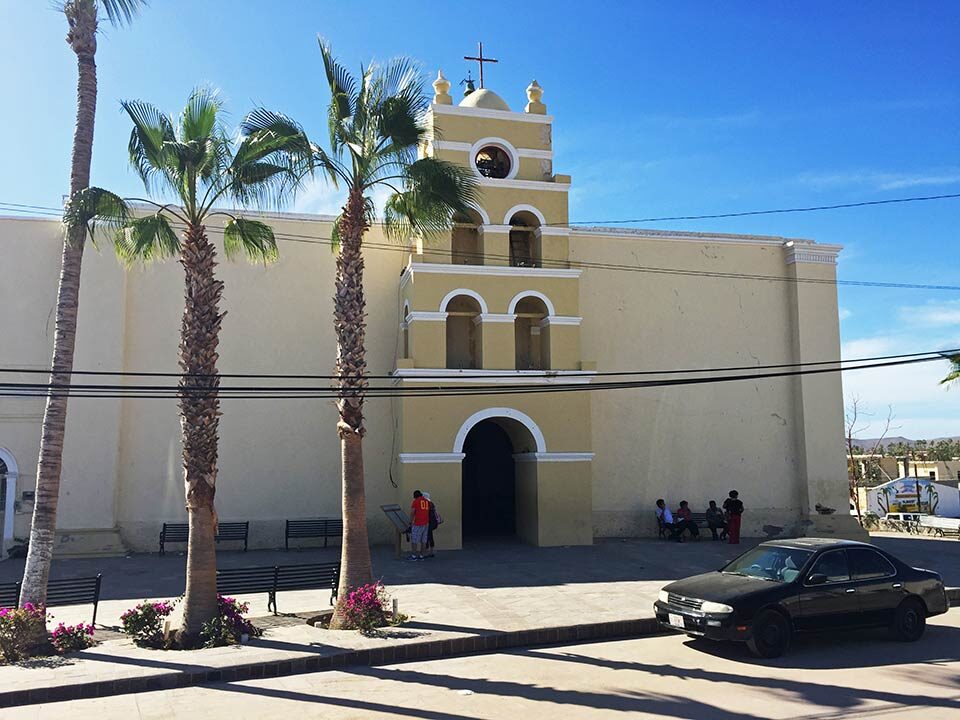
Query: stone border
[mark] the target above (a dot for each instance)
(406, 652)
(427, 650)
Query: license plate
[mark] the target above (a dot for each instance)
(675, 620)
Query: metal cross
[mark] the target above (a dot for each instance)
(480, 60)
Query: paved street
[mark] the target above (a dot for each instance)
(861, 675)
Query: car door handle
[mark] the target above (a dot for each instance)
(897, 586)
(850, 590)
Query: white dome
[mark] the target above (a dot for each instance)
(486, 99)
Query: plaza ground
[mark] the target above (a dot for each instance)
(856, 675)
(459, 601)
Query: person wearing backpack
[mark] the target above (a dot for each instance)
(433, 523)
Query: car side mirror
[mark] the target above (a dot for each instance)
(817, 579)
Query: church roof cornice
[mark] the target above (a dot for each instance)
(490, 114)
(687, 236)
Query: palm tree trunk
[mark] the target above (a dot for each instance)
(349, 312)
(82, 18)
(199, 424)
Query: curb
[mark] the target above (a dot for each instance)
(953, 595)
(427, 650)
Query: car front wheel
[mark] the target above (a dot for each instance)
(910, 621)
(771, 635)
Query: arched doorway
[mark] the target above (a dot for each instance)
(489, 482)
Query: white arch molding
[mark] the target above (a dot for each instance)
(531, 293)
(484, 217)
(463, 291)
(13, 474)
(504, 145)
(500, 412)
(523, 207)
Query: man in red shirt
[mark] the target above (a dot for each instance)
(419, 524)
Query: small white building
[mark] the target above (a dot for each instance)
(914, 494)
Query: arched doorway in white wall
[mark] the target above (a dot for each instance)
(496, 501)
(8, 494)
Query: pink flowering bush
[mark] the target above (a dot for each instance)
(365, 608)
(230, 626)
(70, 638)
(144, 623)
(22, 630)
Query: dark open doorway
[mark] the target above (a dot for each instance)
(489, 482)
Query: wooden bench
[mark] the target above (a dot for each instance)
(180, 532)
(698, 518)
(275, 578)
(62, 591)
(325, 528)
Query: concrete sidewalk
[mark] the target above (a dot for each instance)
(490, 596)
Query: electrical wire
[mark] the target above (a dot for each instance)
(121, 391)
(943, 354)
(656, 270)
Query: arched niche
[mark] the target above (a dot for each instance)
(463, 331)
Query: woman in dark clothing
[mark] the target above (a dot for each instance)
(733, 508)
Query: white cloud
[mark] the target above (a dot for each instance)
(932, 314)
(845, 313)
(879, 180)
(319, 197)
(921, 405)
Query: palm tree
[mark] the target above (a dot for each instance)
(82, 20)
(377, 122)
(195, 161)
(954, 375)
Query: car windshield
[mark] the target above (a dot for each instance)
(769, 562)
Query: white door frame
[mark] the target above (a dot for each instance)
(12, 476)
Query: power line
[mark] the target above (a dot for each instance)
(779, 211)
(118, 391)
(656, 270)
(939, 354)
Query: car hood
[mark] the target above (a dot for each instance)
(718, 587)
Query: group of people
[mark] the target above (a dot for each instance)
(724, 523)
(424, 519)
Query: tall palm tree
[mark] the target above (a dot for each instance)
(82, 20)
(377, 122)
(193, 160)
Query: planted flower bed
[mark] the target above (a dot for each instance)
(24, 634)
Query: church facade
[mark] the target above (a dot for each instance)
(503, 337)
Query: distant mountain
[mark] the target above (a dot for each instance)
(894, 439)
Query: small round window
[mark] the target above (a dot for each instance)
(493, 162)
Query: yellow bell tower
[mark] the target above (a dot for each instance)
(491, 313)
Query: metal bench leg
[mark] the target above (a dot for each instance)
(272, 601)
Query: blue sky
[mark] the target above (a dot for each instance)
(661, 109)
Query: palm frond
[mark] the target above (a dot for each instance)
(954, 375)
(121, 12)
(145, 239)
(250, 237)
(92, 208)
(434, 191)
(201, 114)
(151, 131)
(343, 92)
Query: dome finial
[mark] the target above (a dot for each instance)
(534, 95)
(441, 89)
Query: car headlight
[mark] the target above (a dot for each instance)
(663, 596)
(715, 607)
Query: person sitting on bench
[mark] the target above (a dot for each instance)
(665, 518)
(716, 522)
(685, 520)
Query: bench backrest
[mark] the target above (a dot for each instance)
(175, 532)
(233, 530)
(61, 591)
(308, 577)
(315, 527)
(246, 580)
(9, 594)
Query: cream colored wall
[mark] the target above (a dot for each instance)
(31, 251)
(696, 443)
